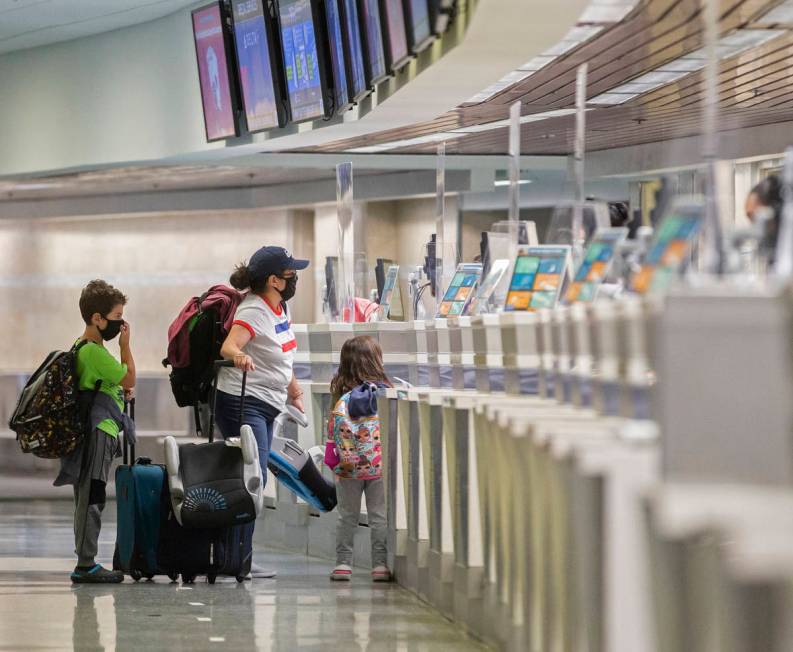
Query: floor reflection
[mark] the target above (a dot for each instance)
(302, 609)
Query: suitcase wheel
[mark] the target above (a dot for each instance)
(173, 576)
(240, 578)
(136, 575)
(149, 577)
(188, 579)
(211, 578)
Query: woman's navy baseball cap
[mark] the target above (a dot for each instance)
(273, 260)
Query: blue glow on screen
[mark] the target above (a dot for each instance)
(337, 54)
(356, 48)
(420, 21)
(374, 39)
(253, 57)
(300, 60)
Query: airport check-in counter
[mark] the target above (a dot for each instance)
(597, 478)
(492, 494)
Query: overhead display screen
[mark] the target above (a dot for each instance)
(340, 93)
(352, 31)
(301, 65)
(213, 73)
(370, 19)
(252, 40)
(396, 36)
(419, 24)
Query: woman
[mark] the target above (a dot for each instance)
(262, 343)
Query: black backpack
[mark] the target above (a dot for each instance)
(191, 384)
(48, 419)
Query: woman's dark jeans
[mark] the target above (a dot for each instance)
(257, 414)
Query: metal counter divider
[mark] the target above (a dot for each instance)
(488, 353)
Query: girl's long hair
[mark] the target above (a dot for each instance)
(361, 361)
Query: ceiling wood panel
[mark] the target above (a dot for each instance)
(754, 88)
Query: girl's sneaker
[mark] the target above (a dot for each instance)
(381, 574)
(342, 573)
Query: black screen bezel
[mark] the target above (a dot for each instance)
(279, 83)
(390, 64)
(321, 36)
(345, 37)
(346, 64)
(365, 38)
(231, 56)
(413, 46)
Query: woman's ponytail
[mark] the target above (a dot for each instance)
(240, 278)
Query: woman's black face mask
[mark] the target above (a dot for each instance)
(112, 329)
(291, 287)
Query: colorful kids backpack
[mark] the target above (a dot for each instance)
(47, 419)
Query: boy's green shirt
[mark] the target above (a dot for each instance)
(95, 362)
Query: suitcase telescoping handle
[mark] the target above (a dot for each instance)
(127, 448)
(219, 364)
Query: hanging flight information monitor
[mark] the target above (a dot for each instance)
(213, 52)
(338, 65)
(369, 13)
(257, 61)
(353, 50)
(538, 277)
(392, 17)
(417, 15)
(303, 68)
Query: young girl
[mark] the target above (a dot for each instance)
(353, 452)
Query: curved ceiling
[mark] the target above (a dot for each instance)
(645, 85)
(31, 23)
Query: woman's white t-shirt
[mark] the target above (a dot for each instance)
(272, 348)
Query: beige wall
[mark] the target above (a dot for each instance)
(159, 261)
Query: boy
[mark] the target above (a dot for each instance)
(104, 383)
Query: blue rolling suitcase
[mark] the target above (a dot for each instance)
(294, 468)
(142, 505)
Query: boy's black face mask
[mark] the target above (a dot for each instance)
(112, 329)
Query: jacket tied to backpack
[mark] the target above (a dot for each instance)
(354, 435)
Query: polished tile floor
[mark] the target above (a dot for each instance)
(40, 610)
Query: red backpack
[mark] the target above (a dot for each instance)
(194, 341)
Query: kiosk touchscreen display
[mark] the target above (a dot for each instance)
(461, 290)
(596, 265)
(252, 39)
(391, 278)
(670, 249)
(487, 287)
(538, 277)
(301, 65)
(213, 72)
